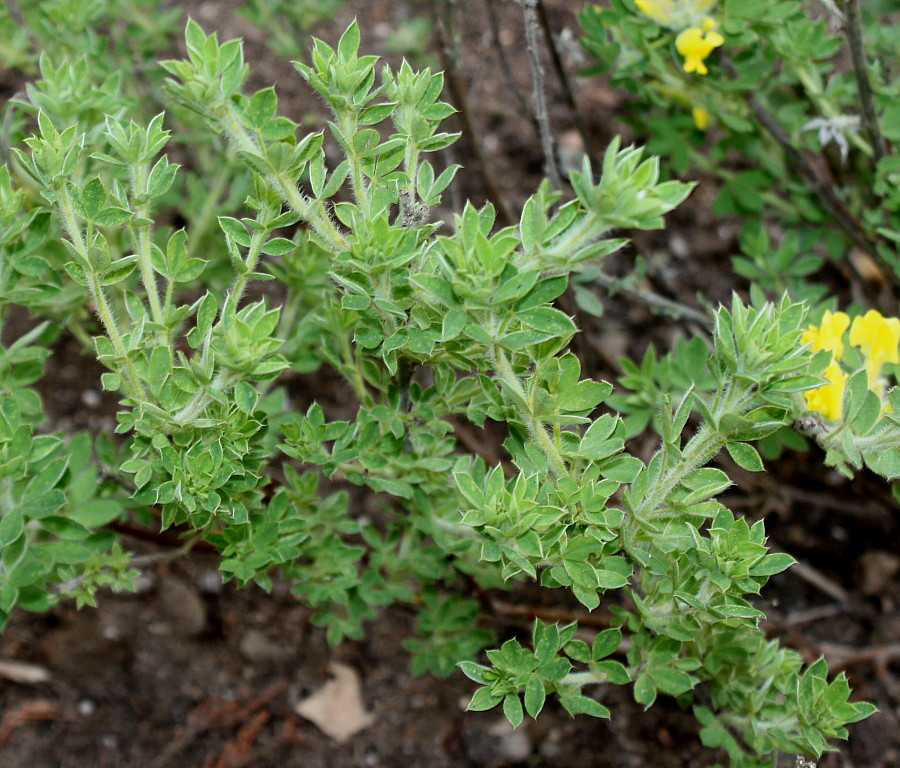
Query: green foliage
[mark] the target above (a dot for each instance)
(287, 23)
(429, 325)
(778, 118)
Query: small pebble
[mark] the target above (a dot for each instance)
(109, 741)
(257, 648)
(182, 606)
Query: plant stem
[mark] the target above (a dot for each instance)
(98, 295)
(312, 212)
(700, 449)
(348, 128)
(143, 245)
(533, 422)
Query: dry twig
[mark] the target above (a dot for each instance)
(853, 28)
(551, 168)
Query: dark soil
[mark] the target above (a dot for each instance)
(190, 673)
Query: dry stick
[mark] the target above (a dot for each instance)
(816, 579)
(869, 118)
(540, 104)
(809, 615)
(449, 54)
(655, 300)
(494, 25)
(832, 202)
(563, 78)
(841, 657)
(511, 86)
(16, 12)
(550, 614)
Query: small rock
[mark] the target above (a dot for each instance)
(86, 707)
(490, 743)
(679, 246)
(109, 741)
(210, 583)
(182, 606)
(91, 398)
(257, 648)
(143, 583)
(878, 571)
(513, 743)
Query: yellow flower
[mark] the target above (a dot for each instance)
(675, 14)
(696, 44)
(701, 118)
(879, 340)
(829, 398)
(829, 335)
(660, 11)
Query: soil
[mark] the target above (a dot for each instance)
(190, 673)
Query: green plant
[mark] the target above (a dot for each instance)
(798, 139)
(428, 324)
(288, 23)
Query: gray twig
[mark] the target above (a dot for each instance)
(853, 27)
(505, 70)
(15, 11)
(652, 299)
(449, 53)
(529, 11)
(564, 83)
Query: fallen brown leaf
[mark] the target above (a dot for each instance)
(337, 708)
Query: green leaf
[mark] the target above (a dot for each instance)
(119, 270)
(77, 273)
(245, 397)
(606, 642)
(96, 513)
(745, 456)
(483, 699)
(772, 564)
(512, 708)
(11, 527)
(671, 681)
(112, 217)
(278, 246)
(584, 705)
(535, 696)
(644, 690)
(453, 324)
(235, 230)
(473, 671)
(348, 45)
(547, 320)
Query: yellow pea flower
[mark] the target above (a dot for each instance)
(695, 44)
(879, 340)
(675, 14)
(829, 335)
(701, 118)
(661, 11)
(829, 398)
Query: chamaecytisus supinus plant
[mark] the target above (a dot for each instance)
(427, 324)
